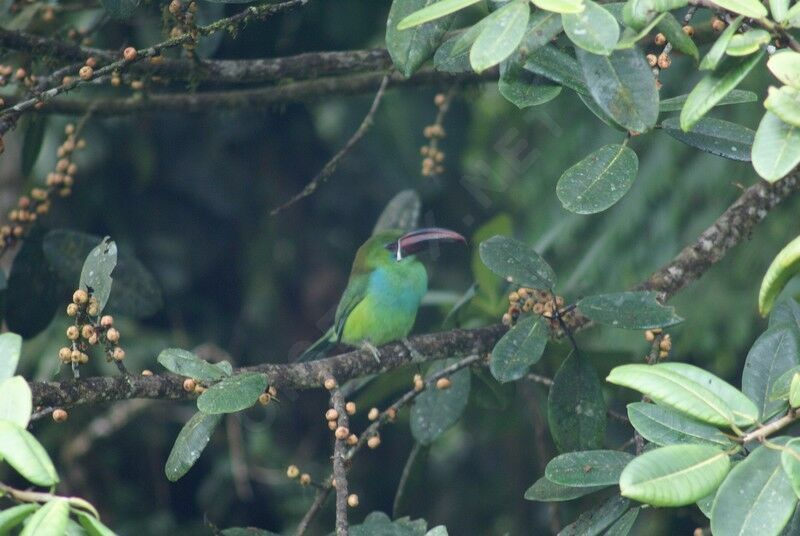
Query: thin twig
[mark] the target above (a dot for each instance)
(333, 163)
(401, 486)
(339, 468)
(316, 506)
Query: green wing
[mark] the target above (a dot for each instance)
(355, 292)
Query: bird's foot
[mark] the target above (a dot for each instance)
(415, 355)
(366, 345)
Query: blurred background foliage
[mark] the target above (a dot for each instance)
(189, 196)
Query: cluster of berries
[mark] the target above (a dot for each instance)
(185, 19)
(433, 157)
(535, 301)
(89, 330)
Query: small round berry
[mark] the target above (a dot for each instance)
(199, 389)
(20, 74)
(330, 384)
(305, 479)
(649, 336)
(342, 432)
(352, 439)
(439, 99)
(331, 415)
(264, 399)
(84, 358)
(660, 39)
(80, 297)
(350, 408)
(652, 60)
(107, 321)
(506, 319)
(688, 30)
(93, 309)
(87, 331)
(118, 354)
(189, 385)
(72, 169)
(273, 392)
(73, 333)
(373, 414)
(116, 81)
(332, 425)
(81, 144)
(717, 24)
(65, 354)
(137, 85)
(86, 73)
(147, 372)
(352, 500)
(72, 309)
(391, 414)
(112, 335)
(292, 471)
(75, 356)
(60, 415)
(129, 54)
(443, 383)
(374, 442)
(69, 129)
(419, 384)
(91, 62)
(174, 6)
(664, 61)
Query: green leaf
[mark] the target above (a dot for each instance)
(33, 294)
(92, 525)
(191, 441)
(379, 524)
(401, 212)
(773, 353)
(488, 393)
(410, 49)
(24, 453)
(595, 521)
(785, 103)
(665, 426)
(675, 35)
(587, 468)
(543, 27)
(623, 85)
(11, 517)
(794, 391)
(484, 277)
(630, 36)
(436, 410)
(593, 107)
(434, 11)
(736, 96)
(15, 401)
(545, 491)
(560, 6)
(32, 143)
(676, 475)
(714, 136)
(120, 9)
(793, 17)
(756, 497)
(187, 364)
(517, 263)
(594, 29)
(629, 310)
(752, 9)
(623, 525)
(499, 38)
(558, 66)
(10, 347)
(784, 266)
(785, 65)
(673, 390)
(599, 180)
(744, 44)
(776, 148)
(781, 386)
(232, 394)
(790, 460)
(744, 410)
(714, 86)
(521, 88)
(520, 347)
(246, 531)
(136, 292)
(778, 9)
(448, 60)
(96, 272)
(786, 312)
(716, 53)
(49, 520)
(576, 410)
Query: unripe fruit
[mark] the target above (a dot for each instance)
(189, 385)
(419, 385)
(263, 399)
(373, 414)
(305, 479)
(652, 60)
(332, 425)
(331, 414)
(443, 383)
(72, 309)
(330, 384)
(73, 333)
(129, 54)
(352, 439)
(147, 372)
(87, 331)
(352, 500)
(80, 297)
(118, 354)
(660, 39)
(60, 415)
(350, 408)
(86, 73)
(107, 321)
(664, 61)
(292, 471)
(112, 335)
(341, 433)
(374, 442)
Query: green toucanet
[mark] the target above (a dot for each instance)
(384, 291)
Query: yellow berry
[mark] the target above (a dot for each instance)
(60, 415)
(374, 442)
(305, 479)
(129, 54)
(72, 309)
(350, 408)
(65, 354)
(292, 471)
(352, 500)
(264, 399)
(189, 385)
(331, 414)
(373, 414)
(112, 335)
(443, 383)
(107, 321)
(330, 384)
(80, 297)
(118, 354)
(86, 73)
(352, 439)
(341, 433)
(73, 333)
(87, 331)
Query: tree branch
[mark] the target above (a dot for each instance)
(339, 468)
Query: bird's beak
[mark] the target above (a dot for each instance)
(416, 241)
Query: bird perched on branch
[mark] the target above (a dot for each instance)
(384, 291)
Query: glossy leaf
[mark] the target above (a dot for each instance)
(781, 386)
(191, 441)
(15, 401)
(434, 11)
(26, 455)
(545, 491)
(744, 44)
(436, 410)
(744, 410)
(623, 85)
(776, 148)
(13, 516)
(501, 35)
(410, 49)
(665, 426)
(752, 9)
(520, 347)
(623, 525)
(594, 29)
(521, 88)
(96, 272)
(446, 59)
(773, 353)
(92, 525)
(714, 136)
(785, 312)
(629, 310)
(714, 86)
(543, 27)
(379, 524)
(187, 364)
(756, 497)
(587, 468)
(778, 9)
(593, 107)
(790, 460)
(576, 410)
(10, 347)
(49, 520)
(673, 390)
(676, 475)
(596, 520)
(558, 66)
(784, 266)
(517, 263)
(599, 180)
(785, 103)
(232, 394)
(630, 36)
(560, 6)
(736, 96)
(716, 53)
(785, 65)
(680, 40)
(401, 212)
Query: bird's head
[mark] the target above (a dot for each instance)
(398, 246)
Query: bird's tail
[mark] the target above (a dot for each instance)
(319, 348)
